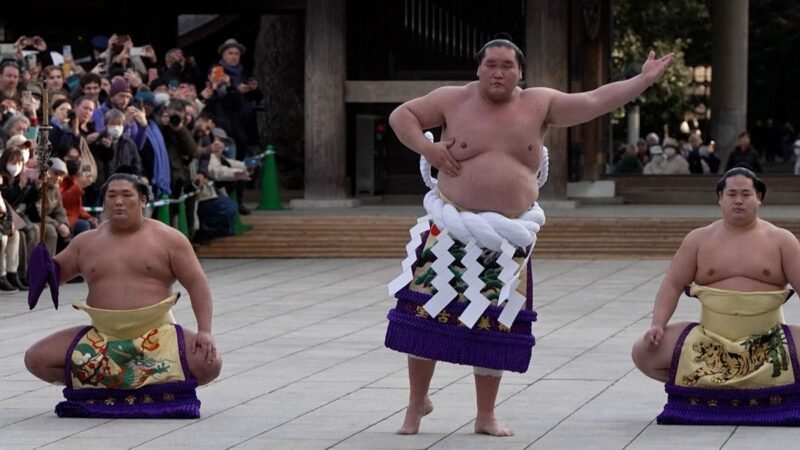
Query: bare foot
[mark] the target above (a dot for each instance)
(414, 417)
(488, 424)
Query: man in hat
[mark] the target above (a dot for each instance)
(230, 98)
(490, 160)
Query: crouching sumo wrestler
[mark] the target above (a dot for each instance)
(738, 365)
(134, 360)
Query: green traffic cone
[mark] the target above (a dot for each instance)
(238, 227)
(270, 194)
(183, 226)
(163, 211)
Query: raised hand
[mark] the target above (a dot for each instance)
(653, 68)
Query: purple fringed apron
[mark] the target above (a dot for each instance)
(134, 368)
(749, 378)
(488, 343)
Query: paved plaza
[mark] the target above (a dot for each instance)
(305, 368)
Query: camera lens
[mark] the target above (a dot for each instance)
(174, 119)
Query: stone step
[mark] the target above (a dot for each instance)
(386, 237)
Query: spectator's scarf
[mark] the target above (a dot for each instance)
(235, 72)
(161, 169)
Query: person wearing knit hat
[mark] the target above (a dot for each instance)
(117, 86)
(119, 97)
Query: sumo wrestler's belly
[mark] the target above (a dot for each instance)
(492, 182)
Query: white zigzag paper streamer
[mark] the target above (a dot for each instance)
(441, 281)
(423, 225)
(515, 299)
(477, 301)
(514, 304)
(509, 272)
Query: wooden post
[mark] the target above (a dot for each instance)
(325, 73)
(546, 50)
(729, 25)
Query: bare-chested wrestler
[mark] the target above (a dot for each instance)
(488, 159)
(738, 366)
(134, 351)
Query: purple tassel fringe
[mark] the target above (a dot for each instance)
(427, 338)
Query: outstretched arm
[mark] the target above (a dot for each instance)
(567, 110)
(681, 272)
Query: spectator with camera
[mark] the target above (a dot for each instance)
(182, 69)
(181, 149)
(122, 55)
(229, 95)
(54, 217)
(113, 152)
(230, 174)
(120, 100)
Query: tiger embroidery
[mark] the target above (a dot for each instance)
(724, 365)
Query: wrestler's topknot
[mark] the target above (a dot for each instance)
(501, 40)
(758, 183)
(133, 179)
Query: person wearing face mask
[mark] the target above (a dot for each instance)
(119, 99)
(23, 144)
(15, 190)
(113, 152)
(182, 150)
(674, 163)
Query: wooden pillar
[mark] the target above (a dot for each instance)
(729, 25)
(589, 62)
(546, 50)
(325, 74)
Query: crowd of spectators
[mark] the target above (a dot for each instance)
(184, 130)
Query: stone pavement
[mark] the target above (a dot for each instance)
(305, 368)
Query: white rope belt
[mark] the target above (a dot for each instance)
(485, 230)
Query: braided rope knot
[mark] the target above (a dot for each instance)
(489, 229)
